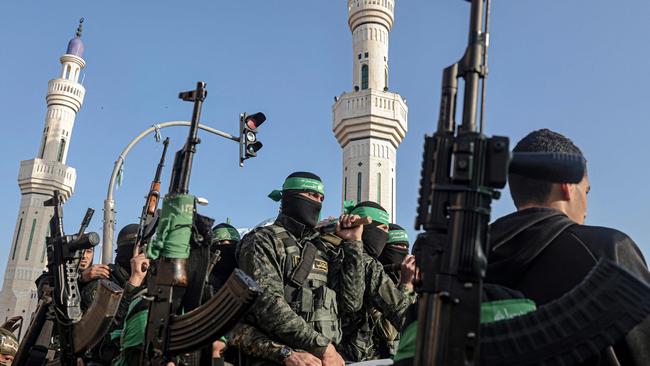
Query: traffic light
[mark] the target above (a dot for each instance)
(248, 143)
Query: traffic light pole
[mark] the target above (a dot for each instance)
(109, 203)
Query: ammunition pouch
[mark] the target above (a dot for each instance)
(306, 279)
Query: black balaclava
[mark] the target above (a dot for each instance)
(227, 261)
(374, 238)
(299, 208)
(125, 242)
(394, 252)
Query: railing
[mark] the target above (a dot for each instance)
(65, 87)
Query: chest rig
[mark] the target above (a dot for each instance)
(308, 267)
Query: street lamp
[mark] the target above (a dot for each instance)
(109, 203)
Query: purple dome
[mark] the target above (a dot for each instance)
(75, 47)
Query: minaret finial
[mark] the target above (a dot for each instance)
(80, 28)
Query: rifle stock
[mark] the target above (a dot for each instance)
(149, 215)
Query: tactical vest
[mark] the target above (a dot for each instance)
(306, 290)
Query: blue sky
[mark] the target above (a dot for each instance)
(577, 67)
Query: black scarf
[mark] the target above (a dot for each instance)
(374, 240)
(227, 261)
(393, 254)
(123, 256)
(300, 208)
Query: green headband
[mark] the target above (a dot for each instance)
(397, 236)
(298, 183)
(225, 233)
(375, 214)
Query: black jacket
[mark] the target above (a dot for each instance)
(543, 254)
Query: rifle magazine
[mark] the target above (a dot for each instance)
(95, 323)
(208, 322)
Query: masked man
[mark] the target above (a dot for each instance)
(382, 298)
(385, 335)
(223, 262)
(306, 281)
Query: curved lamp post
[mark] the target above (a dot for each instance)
(109, 202)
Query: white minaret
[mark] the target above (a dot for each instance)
(37, 179)
(370, 122)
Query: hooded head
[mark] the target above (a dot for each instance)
(375, 234)
(301, 197)
(397, 245)
(125, 243)
(224, 240)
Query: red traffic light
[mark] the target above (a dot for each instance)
(255, 120)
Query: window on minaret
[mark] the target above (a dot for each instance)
(345, 189)
(358, 187)
(364, 77)
(31, 239)
(59, 155)
(42, 149)
(386, 79)
(379, 188)
(20, 226)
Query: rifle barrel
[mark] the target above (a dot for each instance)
(192, 140)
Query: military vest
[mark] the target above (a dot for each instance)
(306, 290)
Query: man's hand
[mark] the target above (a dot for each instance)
(302, 359)
(407, 271)
(137, 275)
(344, 229)
(217, 349)
(96, 271)
(331, 357)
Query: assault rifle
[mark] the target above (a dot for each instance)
(77, 332)
(461, 172)
(150, 214)
(168, 333)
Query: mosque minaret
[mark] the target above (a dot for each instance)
(37, 179)
(370, 122)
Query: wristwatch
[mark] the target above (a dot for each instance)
(285, 352)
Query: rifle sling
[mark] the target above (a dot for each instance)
(304, 267)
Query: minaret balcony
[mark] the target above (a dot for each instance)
(43, 177)
(370, 113)
(66, 92)
(371, 11)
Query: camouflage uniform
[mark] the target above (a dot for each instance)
(8, 344)
(256, 344)
(380, 294)
(300, 303)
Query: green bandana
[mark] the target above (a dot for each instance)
(298, 183)
(397, 236)
(225, 233)
(375, 214)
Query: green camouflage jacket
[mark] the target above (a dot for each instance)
(381, 295)
(264, 256)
